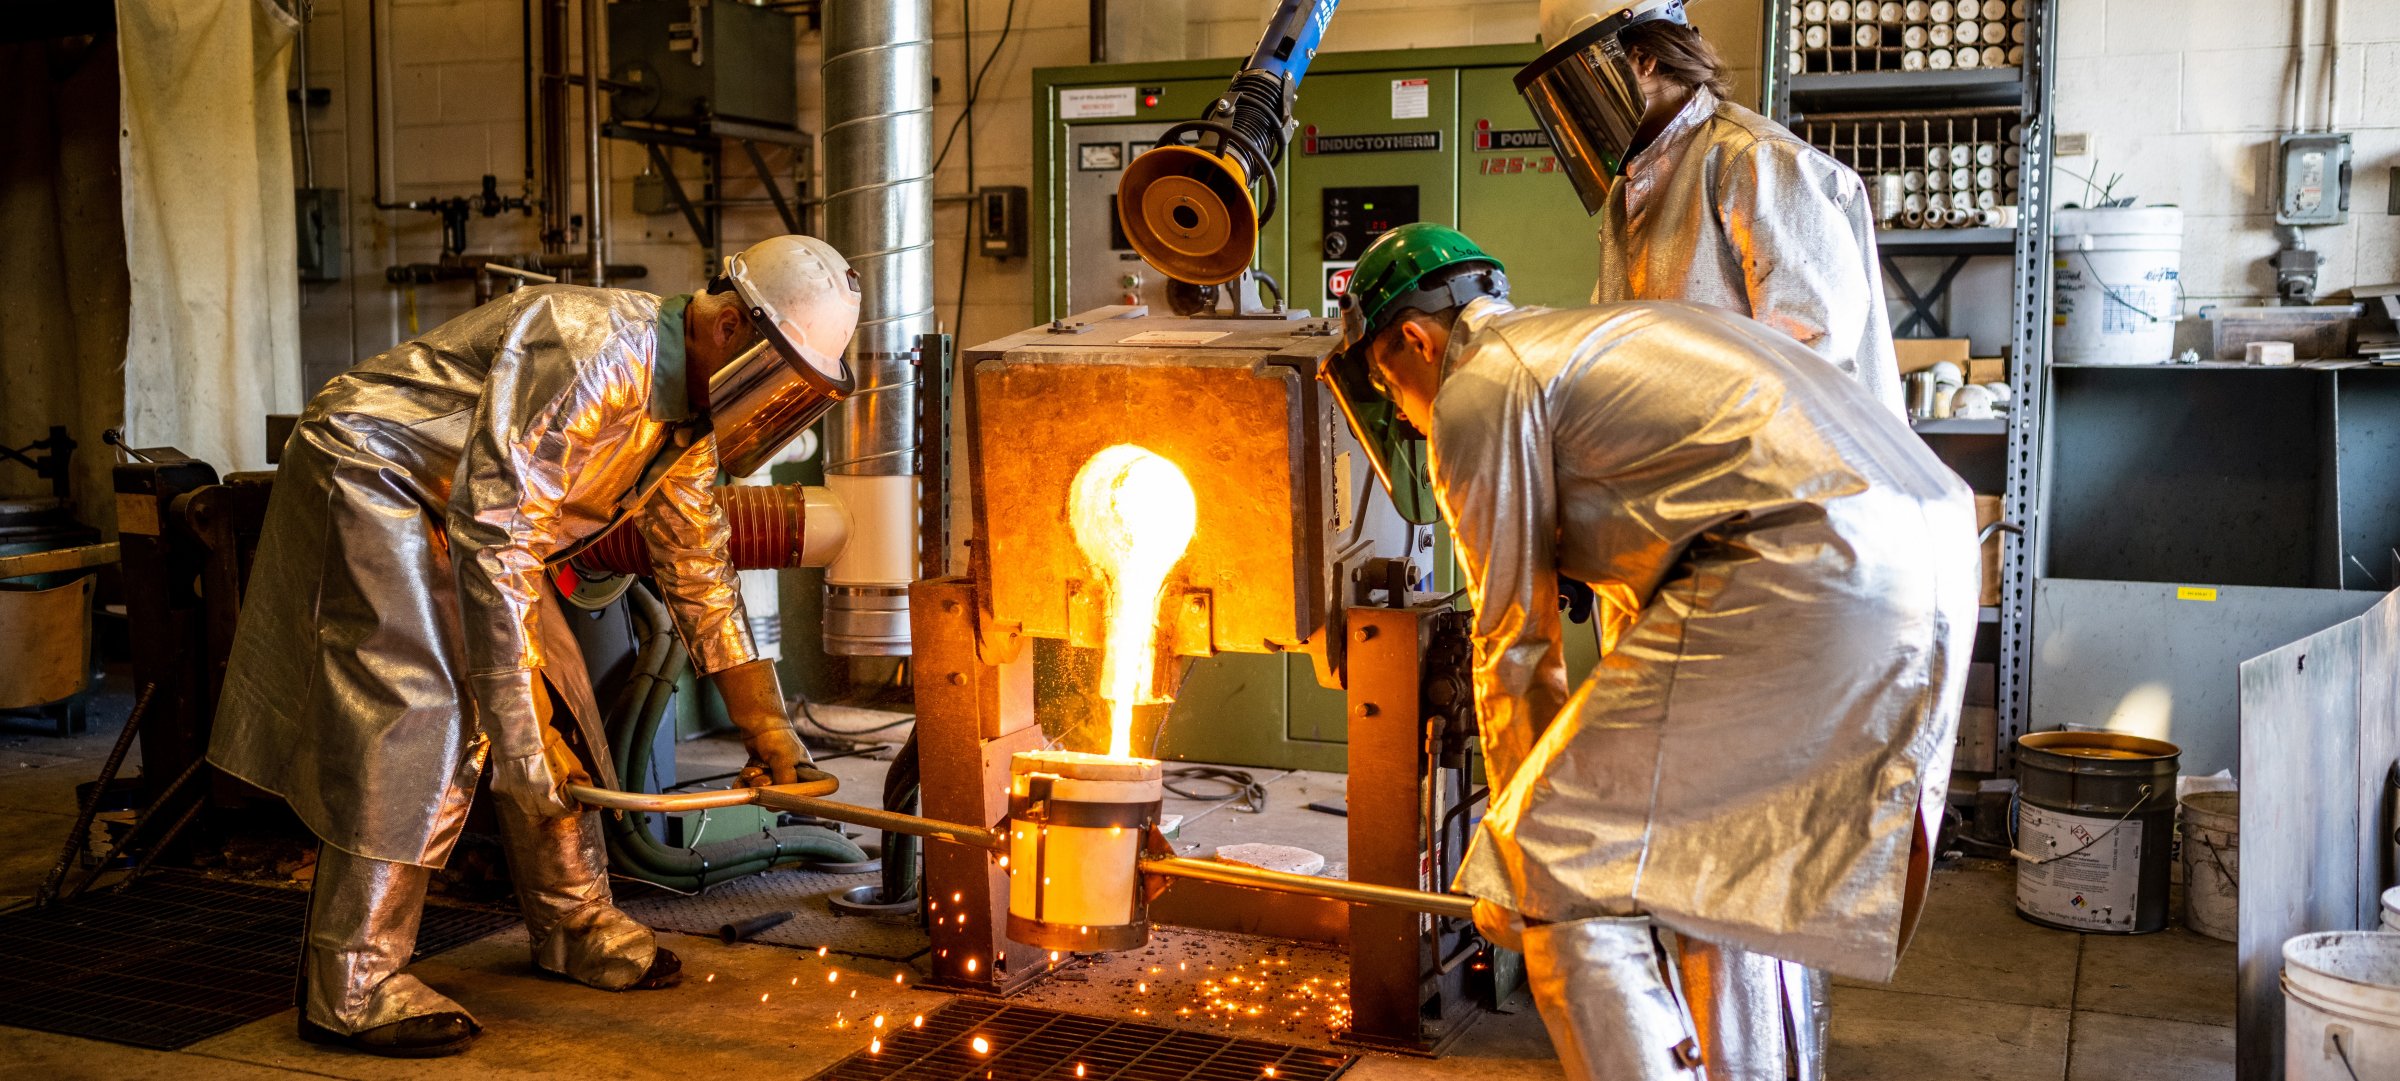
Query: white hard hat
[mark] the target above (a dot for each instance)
(802, 295)
(803, 298)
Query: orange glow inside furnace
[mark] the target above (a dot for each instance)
(1134, 515)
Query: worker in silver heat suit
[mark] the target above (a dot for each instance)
(1700, 199)
(1787, 580)
(400, 635)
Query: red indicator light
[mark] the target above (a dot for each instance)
(1149, 101)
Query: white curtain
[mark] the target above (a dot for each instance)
(213, 336)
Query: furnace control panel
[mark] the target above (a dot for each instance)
(1354, 217)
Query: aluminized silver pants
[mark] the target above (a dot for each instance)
(363, 914)
(1602, 987)
(1759, 1019)
(1616, 1009)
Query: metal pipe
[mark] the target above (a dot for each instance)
(878, 159)
(308, 149)
(1259, 878)
(379, 89)
(803, 798)
(595, 179)
(610, 799)
(2300, 21)
(877, 818)
(2333, 65)
(553, 128)
(525, 88)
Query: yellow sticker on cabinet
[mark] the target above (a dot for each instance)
(2195, 593)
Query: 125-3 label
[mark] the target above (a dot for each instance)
(1494, 166)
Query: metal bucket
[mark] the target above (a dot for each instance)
(2212, 838)
(2341, 1006)
(2094, 824)
(2391, 909)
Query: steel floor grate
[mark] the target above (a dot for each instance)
(174, 960)
(1025, 1043)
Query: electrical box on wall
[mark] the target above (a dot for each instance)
(320, 234)
(2314, 172)
(687, 64)
(1003, 232)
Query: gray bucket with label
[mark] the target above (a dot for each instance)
(2094, 830)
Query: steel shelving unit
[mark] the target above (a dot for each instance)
(1855, 88)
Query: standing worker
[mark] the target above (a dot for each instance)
(400, 635)
(1787, 578)
(1700, 199)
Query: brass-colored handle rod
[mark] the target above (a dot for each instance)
(1339, 889)
(877, 818)
(805, 797)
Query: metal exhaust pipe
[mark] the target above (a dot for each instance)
(878, 76)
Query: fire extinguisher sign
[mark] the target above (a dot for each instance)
(1337, 283)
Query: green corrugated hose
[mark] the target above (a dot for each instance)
(632, 726)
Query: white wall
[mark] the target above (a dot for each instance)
(2185, 99)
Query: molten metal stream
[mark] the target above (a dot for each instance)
(1134, 514)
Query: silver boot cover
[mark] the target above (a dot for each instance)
(362, 928)
(1601, 992)
(561, 872)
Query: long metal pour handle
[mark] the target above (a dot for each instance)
(804, 798)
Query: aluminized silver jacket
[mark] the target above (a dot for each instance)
(1789, 577)
(400, 573)
(1727, 208)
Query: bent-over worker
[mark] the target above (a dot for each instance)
(1788, 578)
(400, 636)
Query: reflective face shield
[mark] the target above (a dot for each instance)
(764, 399)
(802, 298)
(1584, 94)
(1393, 447)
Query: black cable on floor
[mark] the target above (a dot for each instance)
(1249, 795)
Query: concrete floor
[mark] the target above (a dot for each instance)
(1981, 995)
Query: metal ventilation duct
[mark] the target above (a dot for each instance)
(878, 151)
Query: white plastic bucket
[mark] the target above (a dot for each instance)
(2391, 909)
(2212, 827)
(2115, 289)
(2341, 1006)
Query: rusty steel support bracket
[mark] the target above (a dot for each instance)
(972, 716)
(1400, 999)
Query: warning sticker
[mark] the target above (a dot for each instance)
(1337, 283)
(1411, 99)
(2097, 887)
(1095, 103)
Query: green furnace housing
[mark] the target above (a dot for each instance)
(1383, 139)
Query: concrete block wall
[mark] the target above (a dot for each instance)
(2186, 99)
(455, 112)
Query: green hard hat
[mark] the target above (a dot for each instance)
(1390, 278)
(1387, 278)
